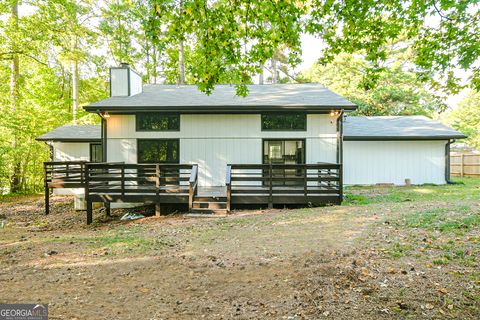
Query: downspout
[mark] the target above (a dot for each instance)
(447, 162)
(340, 137)
(51, 151)
(103, 137)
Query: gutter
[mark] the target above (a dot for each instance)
(447, 162)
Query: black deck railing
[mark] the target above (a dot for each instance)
(64, 174)
(157, 183)
(284, 183)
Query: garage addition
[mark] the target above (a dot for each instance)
(395, 149)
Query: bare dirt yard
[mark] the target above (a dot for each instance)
(387, 253)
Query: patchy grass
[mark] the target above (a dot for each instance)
(466, 189)
(120, 241)
(461, 218)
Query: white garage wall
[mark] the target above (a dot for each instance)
(371, 162)
(213, 141)
(71, 151)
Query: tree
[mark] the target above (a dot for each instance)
(37, 42)
(118, 28)
(466, 118)
(238, 37)
(396, 91)
(73, 17)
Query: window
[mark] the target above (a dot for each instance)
(284, 151)
(96, 153)
(158, 122)
(158, 150)
(285, 122)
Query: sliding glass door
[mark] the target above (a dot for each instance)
(284, 152)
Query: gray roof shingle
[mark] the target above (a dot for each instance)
(397, 128)
(73, 133)
(224, 99)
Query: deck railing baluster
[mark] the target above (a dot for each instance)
(122, 180)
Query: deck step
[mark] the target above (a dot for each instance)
(209, 205)
(207, 211)
(204, 215)
(210, 199)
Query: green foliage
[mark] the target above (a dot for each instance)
(466, 118)
(236, 38)
(391, 91)
(42, 99)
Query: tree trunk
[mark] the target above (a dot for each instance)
(274, 71)
(74, 70)
(16, 177)
(260, 77)
(181, 63)
(15, 64)
(154, 64)
(147, 56)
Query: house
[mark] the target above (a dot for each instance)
(282, 144)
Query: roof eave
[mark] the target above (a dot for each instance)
(68, 139)
(400, 138)
(219, 109)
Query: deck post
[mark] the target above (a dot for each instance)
(107, 209)
(89, 211)
(87, 195)
(270, 197)
(157, 179)
(228, 183)
(340, 183)
(47, 190)
(305, 183)
(47, 200)
(158, 212)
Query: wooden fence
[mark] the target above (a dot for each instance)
(465, 164)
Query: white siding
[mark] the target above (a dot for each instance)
(135, 83)
(213, 141)
(71, 151)
(213, 155)
(119, 82)
(371, 162)
(221, 126)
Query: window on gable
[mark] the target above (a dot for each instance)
(284, 122)
(158, 150)
(153, 121)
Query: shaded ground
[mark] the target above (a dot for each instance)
(387, 253)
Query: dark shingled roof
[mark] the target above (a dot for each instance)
(73, 133)
(187, 98)
(397, 128)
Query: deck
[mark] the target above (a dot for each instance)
(313, 184)
(161, 184)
